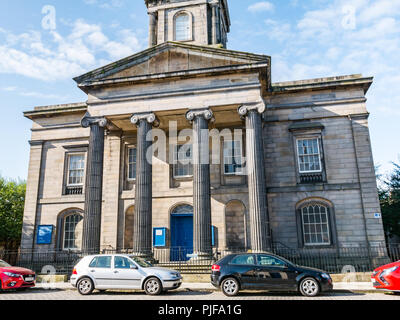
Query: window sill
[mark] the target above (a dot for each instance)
(183, 178)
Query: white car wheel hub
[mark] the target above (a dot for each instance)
(310, 287)
(230, 286)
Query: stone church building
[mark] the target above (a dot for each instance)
(298, 171)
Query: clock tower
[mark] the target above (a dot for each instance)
(200, 22)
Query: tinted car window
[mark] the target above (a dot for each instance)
(264, 260)
(101, 262)
(243, 260)
(123, 263)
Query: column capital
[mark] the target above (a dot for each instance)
(87, 121)
(207, 114)
(150, 117)
(246, 108)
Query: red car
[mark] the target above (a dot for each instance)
(15, 278)
(387, 277)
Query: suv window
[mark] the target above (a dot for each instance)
(123, 263)
(243, 260)
(269, 261)
(101, 262)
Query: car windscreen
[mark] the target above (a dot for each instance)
(4, 264)
(142, 263)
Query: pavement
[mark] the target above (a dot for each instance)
(62, 291)
(187, 286)
(185, 295)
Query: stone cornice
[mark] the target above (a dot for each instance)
(56, 109)
(323, 84)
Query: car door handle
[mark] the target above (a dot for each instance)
(92, 270)
(116, 271)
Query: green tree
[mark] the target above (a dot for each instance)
(12, 199)
(389, 196)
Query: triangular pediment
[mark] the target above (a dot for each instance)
(170, 58)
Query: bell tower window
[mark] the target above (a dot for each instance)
(182, 27)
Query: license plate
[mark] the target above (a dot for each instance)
(29, 279)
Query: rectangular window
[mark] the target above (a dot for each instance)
(132, 163)
(76, 170)
(183, 159)
(309, 155)
(233, 157)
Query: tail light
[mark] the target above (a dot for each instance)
(74, 271)
(216, 268)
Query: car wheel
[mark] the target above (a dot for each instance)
(309, 287)
(85, 286)
(153, 287)
(230, 287)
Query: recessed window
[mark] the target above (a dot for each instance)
(233, 157)
(315, 220)
(72, 232)
(132, 163)
(76, 170)
(183, 158)
(309, 156)
(182, 27)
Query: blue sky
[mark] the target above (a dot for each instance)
(306, 39)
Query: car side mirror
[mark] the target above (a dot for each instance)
(134, 267)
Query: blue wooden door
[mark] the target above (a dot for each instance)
(181, 236)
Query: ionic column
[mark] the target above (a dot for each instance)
(94, 184)
(258, 211)
(202, 246)
(142, 225)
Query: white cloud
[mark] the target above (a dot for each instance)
(60, 56)
(261, 6)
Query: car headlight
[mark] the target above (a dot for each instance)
(389, 271)
(174, 275)
(325, 276)
(12, 275)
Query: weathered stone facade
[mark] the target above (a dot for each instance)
(252, 211)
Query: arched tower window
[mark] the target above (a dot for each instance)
(183, 27)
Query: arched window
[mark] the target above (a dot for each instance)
(316, 224)
(182, 27)
(72, 233)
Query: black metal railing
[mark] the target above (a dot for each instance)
(311, 178)
(70, 191)
(333, 260)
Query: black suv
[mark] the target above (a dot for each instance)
(249, 271)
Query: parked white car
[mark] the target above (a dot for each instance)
(120, 272)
